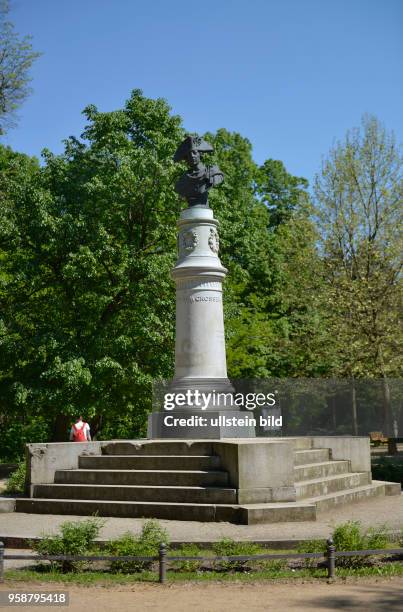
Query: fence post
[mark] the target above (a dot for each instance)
(331, 559)
(1, 562)
(162, 563)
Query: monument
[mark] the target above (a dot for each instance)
(200, 357)
(199, 465)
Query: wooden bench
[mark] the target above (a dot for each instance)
(377, 438)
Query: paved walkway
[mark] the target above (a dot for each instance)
(377, 511)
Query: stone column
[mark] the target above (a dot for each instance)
(200, 359)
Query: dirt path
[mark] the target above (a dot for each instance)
(369, 595)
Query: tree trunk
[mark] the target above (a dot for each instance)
(354, 406)
(387, 412)
(387, 416)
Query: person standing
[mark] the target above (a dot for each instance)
(80, 431)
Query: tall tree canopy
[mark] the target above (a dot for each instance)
(359, 204)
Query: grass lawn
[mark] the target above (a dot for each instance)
(393, 568)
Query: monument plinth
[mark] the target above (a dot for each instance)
(200, 358)
(200, 344)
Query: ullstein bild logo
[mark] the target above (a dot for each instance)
(222, 421)
(202, 400)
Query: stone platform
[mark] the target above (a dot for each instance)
(241, 481)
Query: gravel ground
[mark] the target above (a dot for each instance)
(377, 595)
(377, 511)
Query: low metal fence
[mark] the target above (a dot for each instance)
(329, 555)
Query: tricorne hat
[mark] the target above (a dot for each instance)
(192, 143)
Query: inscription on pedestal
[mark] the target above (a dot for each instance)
(199, 298)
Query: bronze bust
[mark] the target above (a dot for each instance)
(193, 186)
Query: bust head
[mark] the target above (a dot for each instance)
(193, 186)
(193, 158)
(191, 149)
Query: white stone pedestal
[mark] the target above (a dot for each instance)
(200, 359)
(198, 274)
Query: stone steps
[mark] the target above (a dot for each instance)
(279, 512)
(197, 495)
(330, 484)
(241, 514)
(324, 502)
(307, 509)
(149, 462)
(178, 478)
(314, 455)
(320, 470)
(246, 514)
(182, 480)
(134, 509)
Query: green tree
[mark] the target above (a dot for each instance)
(87, 242)
(281, 192)
(86, 300)
(275, 322)
(16, 59)
(359, 205)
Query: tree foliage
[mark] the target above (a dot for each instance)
(16, 59)
(359, 203)
(86, 297)
(87, 242)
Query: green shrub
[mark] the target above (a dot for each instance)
(153, 534)
(350, 536)
(16, 482)
(76, 538)
(146, 545)
(228, 547)
(128, 544)
(188, 550)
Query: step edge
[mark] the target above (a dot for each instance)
(321, 463)
(323, 479)
(124, 486)
(335, 494)
(81, 470)
(131, 503)
(147, 456)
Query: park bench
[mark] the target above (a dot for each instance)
(377, 438)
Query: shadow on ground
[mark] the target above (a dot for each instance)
(374, 600)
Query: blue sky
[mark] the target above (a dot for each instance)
(291, 75)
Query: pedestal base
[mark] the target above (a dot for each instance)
(201, 425)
